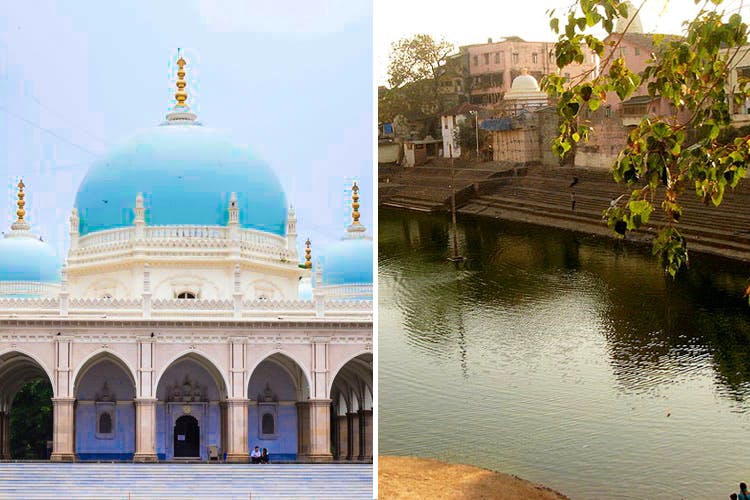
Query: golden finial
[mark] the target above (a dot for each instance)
(355, 204)
(308, 256)
(21, 203)
(181, 95)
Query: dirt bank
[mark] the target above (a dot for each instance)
(411, 477)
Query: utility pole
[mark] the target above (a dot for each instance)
(455, 257)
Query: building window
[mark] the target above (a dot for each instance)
(486, 58)
(515, 57)
(268, 424)
(534, 57)
(637, 51)
(476, 60)
(105, 420)
(105, 423)
(497, 57)
(186, 295)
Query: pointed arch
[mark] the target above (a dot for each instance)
(205, 361)
(21, 363)
(288, 363)
(366, 373)
(100, 356)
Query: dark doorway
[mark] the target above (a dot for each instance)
(187, 437)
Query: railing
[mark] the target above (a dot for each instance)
(250, 238)
(187, 231)
(21, 288)
(106, 237)
(185, 309)
(363, 291)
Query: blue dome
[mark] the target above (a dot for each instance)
(348, 262)
(28, 259)
(186, 173)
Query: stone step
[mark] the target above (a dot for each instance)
(127, 480)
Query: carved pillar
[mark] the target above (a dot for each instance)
(145, 430)
(63, 406)
(237, 409)
(237, 403)
(342, 437)
(63, 429)
(352, 425)
(365, 434)
(314, 430)
(145, 404)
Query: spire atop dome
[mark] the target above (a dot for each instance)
(20, 225)
(181, 95)
(181, 111)
(355, 229)
(308, 256)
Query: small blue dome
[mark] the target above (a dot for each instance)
(28, 259)
(348, 262)
(186, 173)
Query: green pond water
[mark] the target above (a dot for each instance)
(566, 359)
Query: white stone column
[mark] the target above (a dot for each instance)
(145, 404)
(237, 403)
(145, 430)
(237, 430)
(63, 429)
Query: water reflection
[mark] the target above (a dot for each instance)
(577, 346)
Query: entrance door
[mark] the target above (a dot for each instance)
(187, 437)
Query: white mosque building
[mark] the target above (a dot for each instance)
(176, 328)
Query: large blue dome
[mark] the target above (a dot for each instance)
(28, 259)
(348, 262)
(186, 173)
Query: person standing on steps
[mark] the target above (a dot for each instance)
(573, 201)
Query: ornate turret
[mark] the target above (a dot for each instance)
(181, 111)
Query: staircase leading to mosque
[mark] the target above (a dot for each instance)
(182, 481)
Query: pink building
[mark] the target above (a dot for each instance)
(494, 65)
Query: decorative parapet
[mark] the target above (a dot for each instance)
(362, 291)
(211, 240)
(186, 309)
(28, 288)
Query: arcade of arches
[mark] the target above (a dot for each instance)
(149, 401)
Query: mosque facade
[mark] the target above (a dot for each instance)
(184, 325)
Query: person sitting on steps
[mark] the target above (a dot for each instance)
(264, 456)
(255, 455)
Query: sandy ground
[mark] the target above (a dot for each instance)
(410, 477)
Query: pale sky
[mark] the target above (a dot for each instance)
(292, 80)
(473, 21)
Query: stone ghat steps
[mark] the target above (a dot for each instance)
(123, 480)
(587, 218)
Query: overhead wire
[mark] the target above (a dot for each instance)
(50, 132)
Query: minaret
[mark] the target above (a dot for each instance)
(633, 19)
(140, 216)
(291, 234)
(181, 111)
(234, 217)
(355, 229)
(74, 222)
(308, 255)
